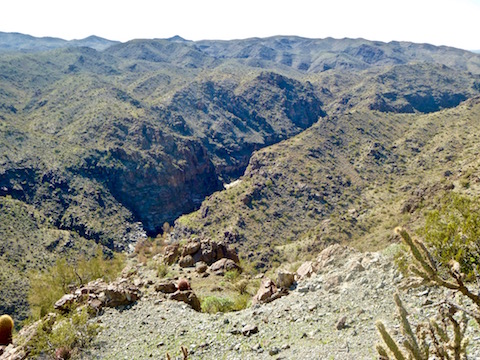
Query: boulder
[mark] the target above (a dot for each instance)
(64, 304)
(221, 266)
(186, 261)
(306, 270)
(167, 287)
(121, 293)
(268, 292)
(170, 254)
(191, 247)
(201, 267)
(188, 297)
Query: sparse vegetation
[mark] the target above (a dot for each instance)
(49, 285)
(62, 334)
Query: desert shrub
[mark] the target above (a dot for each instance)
(452, 231)
(215, 304)
(49, 285)
(241, 286)
(147, 248)
(162, 270)
(74, 331)
(231, 275)
(241, 302)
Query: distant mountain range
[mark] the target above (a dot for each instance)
(22, 42)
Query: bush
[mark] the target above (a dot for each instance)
(452, 232)
(214, 304)
(46, 287)
(70, 332)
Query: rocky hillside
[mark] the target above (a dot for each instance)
(329, 313)
(348, 179)
(105, 142)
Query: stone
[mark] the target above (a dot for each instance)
(188, 297)
(223, 265)
(186, 261)
(170, 254)
(268, 292)
(273, 351)
(249, 329)
(285, 279)
(355, 266)
(65, 303)
(305, 270)
(341, 324)
(119, 293)
(201, 267)
(167, 287)
(191, 247)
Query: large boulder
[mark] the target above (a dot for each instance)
(186, 261)
(121, 293)
(166, 287)
(191, 247)
(223, 265)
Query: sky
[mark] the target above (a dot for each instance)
(438, 22)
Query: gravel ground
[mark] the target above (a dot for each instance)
(357, 287)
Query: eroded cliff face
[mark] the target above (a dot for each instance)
(166, 186)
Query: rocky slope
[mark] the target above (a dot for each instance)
(328, 316)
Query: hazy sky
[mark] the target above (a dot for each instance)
(439, 22)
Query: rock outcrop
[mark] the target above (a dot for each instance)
(98, 294)
(220, 256)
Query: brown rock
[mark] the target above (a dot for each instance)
(186, 261)
(171, 254)
(121, 293)
(268, 292)
(341, 324)
(223, 265)
(188, 297)
(166, 287)
(201, 267)
(191, 247)
(306, 270)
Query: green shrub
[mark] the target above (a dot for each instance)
(48, 286)
(67, 332)
(452, 232)
(231, 275)
(214, 304)
(162, 270)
